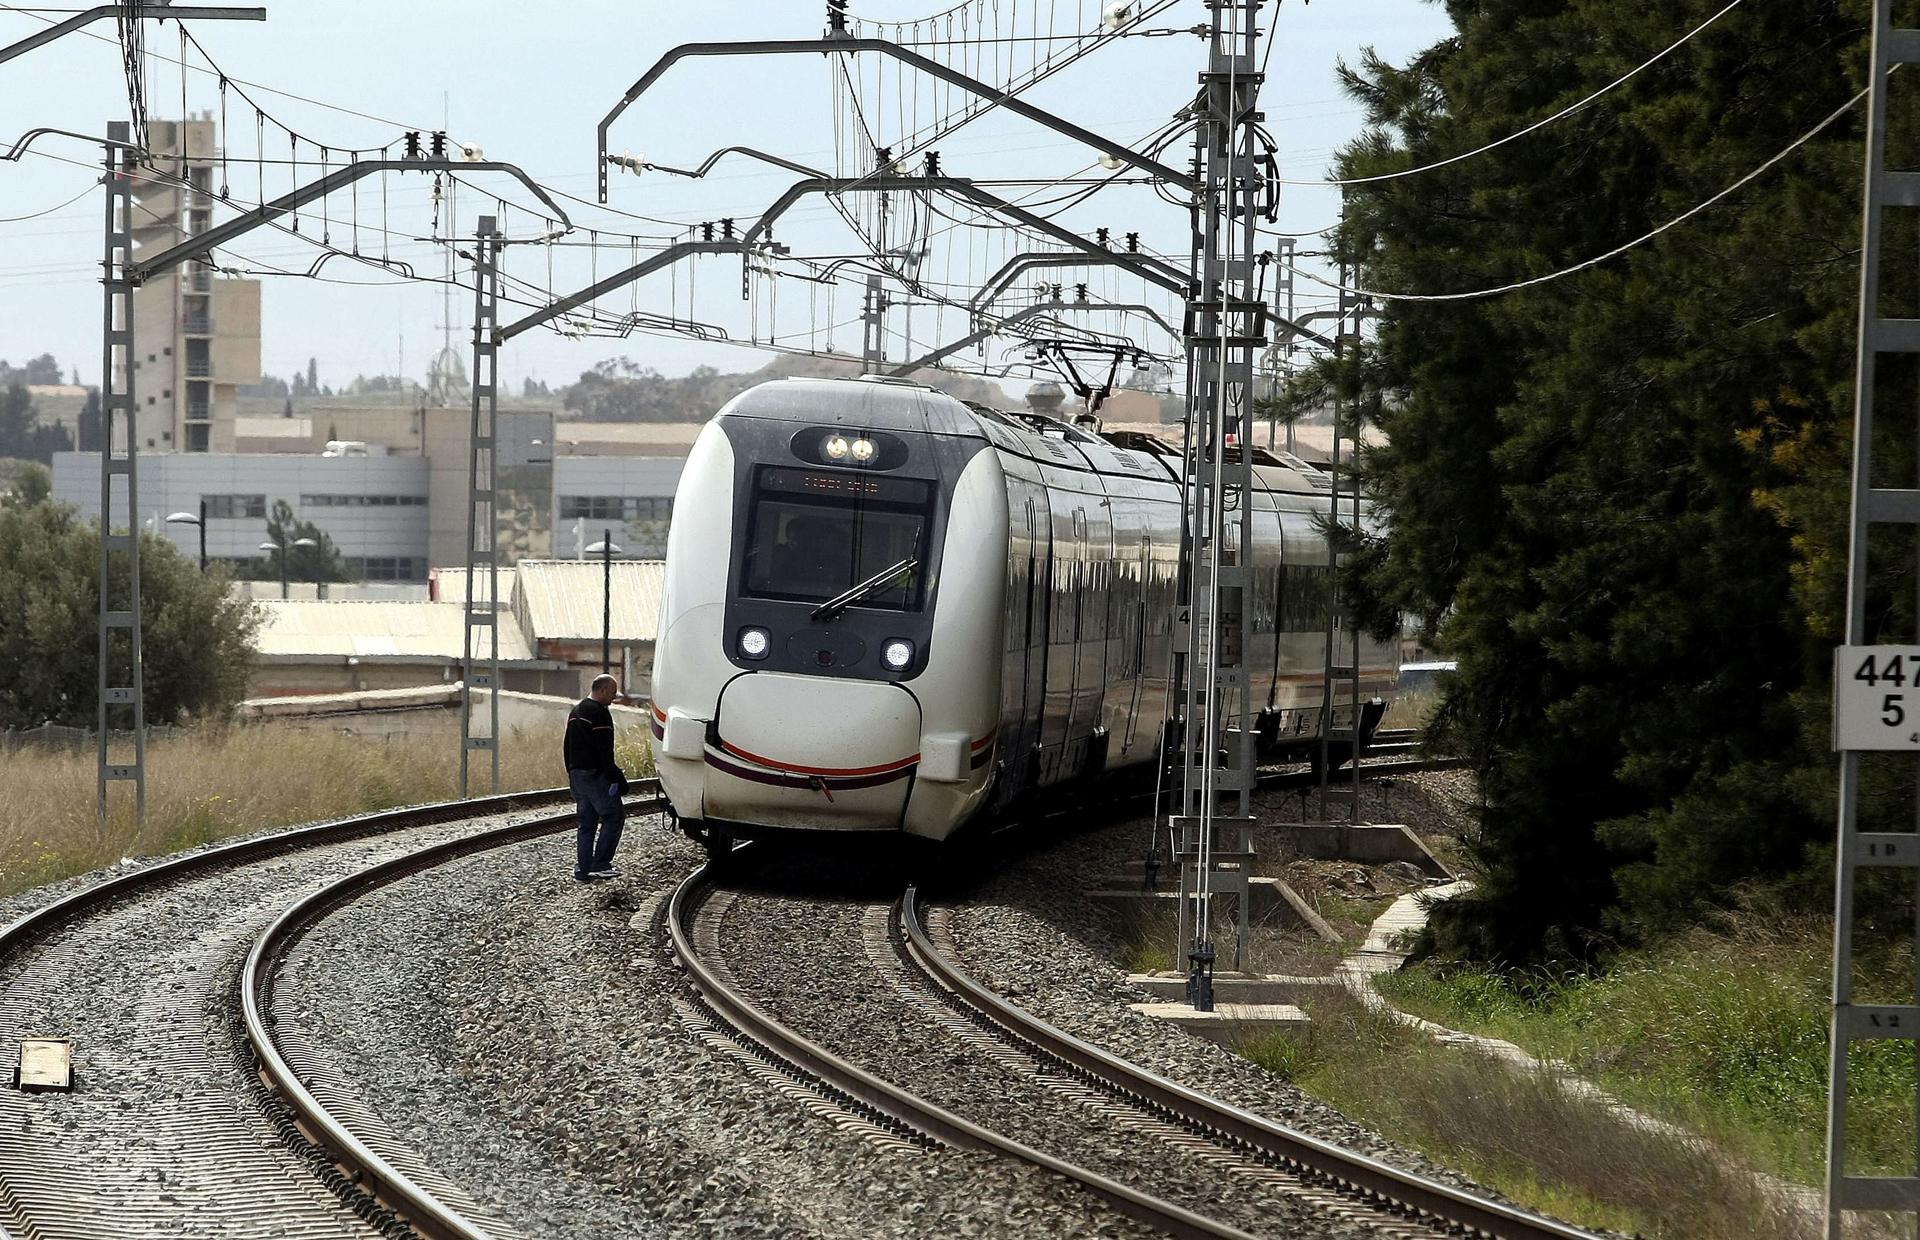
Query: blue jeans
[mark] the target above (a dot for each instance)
(600, 811)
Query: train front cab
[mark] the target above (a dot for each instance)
(774, 710)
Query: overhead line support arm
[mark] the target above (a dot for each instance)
(148, 11)
(999, 97)
(1000, 326)
(1047, 258)
(620, 279)
(205, 243)
(1154, 270)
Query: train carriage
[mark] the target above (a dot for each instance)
(887, 610)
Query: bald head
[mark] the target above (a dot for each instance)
(605, 689)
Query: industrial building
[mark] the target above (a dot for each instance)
(374, 508)
(392, 516)
(550, 635)
(631, 496)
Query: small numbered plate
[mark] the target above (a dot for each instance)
(1876, 697)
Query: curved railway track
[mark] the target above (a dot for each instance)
(202, 1115)
(172, 1130)
(1347, 1190)
(1349, 1184)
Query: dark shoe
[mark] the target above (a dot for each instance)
(608, 872)
(581, 878)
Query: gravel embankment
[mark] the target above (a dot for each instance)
(1027, 931)
(163, 1134)
(521, 1034)
(810, 959)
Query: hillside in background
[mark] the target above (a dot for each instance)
(620, 390)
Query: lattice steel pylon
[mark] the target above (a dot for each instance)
(1276, 363)
(1341, 672)
(1872, 504)
(1226, 326)
(121, 679)
(483, 537)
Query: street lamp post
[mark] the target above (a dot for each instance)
(282, 549)
(187, 518)
(606, 551)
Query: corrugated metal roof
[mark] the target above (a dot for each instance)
(337, 628)
(560, 600)
(449, 585)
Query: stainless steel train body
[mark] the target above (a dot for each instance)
(1022, 641)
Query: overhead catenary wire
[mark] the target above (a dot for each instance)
(34, 215)
(260, 86)
(1567, 111)
(1675, 222)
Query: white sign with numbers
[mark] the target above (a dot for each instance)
(1876, 697)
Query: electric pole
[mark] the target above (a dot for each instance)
(1226, 326)
(483, 539)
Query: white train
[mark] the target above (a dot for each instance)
(887, 610)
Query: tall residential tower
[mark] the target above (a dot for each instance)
(198, 334)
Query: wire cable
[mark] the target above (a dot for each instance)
(1567, 111)
(1671, 224)
(15, 219)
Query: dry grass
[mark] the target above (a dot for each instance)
(1524, 1135)
(1149, 943)
(211, 783)
(1722, 1030)
(1410, 708)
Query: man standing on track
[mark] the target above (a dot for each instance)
(596, 780)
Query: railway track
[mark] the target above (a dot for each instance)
(1088, 1087)
(174, 1130)
(1351, 1186)
(202, 1114)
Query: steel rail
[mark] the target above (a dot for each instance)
(33, 925)
(424, 1212)
(1423, 1198)
(896, 1104)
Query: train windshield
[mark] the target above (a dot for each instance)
(814, 534)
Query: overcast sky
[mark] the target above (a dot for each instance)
(529, 83)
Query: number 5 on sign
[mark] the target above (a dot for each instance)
(1876, 697)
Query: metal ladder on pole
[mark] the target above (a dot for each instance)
(1888, 717)
(1277, 361)
(483, 539)
(121, 679)
(1342, 669)
(1226, 326)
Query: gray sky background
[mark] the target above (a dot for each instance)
(529, 83)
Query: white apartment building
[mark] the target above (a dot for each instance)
(196, 335)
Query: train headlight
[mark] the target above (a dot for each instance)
(863, 450)
(897, 654)
(836, 447)
(754, 643)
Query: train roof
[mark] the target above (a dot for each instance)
(873, 402)
(879, 402)
(1055, 441)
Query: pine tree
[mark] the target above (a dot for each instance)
(1582, 497)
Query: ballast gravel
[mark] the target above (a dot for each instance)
(1026, 930)
(519, 1032)
(805, 957)
(164, 1133)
